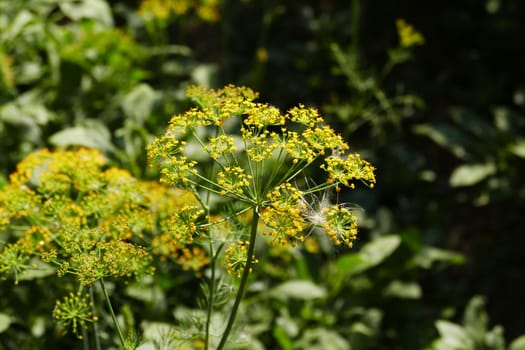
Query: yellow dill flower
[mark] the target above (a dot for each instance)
(351, 168)
(233, 180)
(324, 137)
(305, 116)
(285, 225)
(183, 224)
(221, 146)
(235, 258)
(340, 224)
(408, 35)
(262, 115)
(74, 311)
(258, 146)
(208, 13)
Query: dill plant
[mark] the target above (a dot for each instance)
(245, 158)
(69, 215)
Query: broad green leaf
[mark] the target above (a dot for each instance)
(472, 122)
(403, 290)
(518, 148)
(453, 336)
(321, 338)
(370, 255)
(518, 343)
(430, 255)
(205, 74)
(298, 289)
(39, 269)
(376, 251)
(475, 317)
(446, 136)
(93, 134)
(471, 174)
(97, 10)
(138, 103)
(5, 322)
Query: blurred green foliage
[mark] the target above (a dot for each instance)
(442, 121)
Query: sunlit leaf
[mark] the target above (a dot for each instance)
(93, 134)
(137, 104)
(471, 174)
(403, 290)
(518, 343)
(370, 255)
(453, 336)
(430, 255)
(298, 289)
(97, 10)
(518, 148)
(446, 136)
(5, 322)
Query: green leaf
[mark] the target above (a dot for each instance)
(472, 122)
(370, 255)
(518, 343)
(430, 255)
(298, 289)
(97, 10)
(453, 336)
(138, 103)
(471, 174)
(39, 269)
(475, 319)
(92, 134)
(403, 290)
(5, 322)
(321, 338)
(518, 148)
(446, 136)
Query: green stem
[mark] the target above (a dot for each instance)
(244, 279)
(113, 317)
(95, 324)
(211, 296)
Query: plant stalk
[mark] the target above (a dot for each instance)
(244, 280)
(113, 316)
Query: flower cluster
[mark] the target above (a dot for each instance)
(235, 258)
(408, 35)
(206, 10)
(233, 147)
(68, 210)
(74, 311)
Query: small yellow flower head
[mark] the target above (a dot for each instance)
(408, 35)
(324, 137)
(262, 115)
(235, 258)
(73, 311)
(192, 258)
(306, 116)
(221, 146)
(284, 217)
(295, 146)
(233, 180)
(345, 170)
(286, 225)
(286, 197)
(340, 224)
(259, 146)
(184, 224)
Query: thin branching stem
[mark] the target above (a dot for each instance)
(112, 313)
(244, 279)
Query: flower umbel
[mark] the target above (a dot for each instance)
(74, 312)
